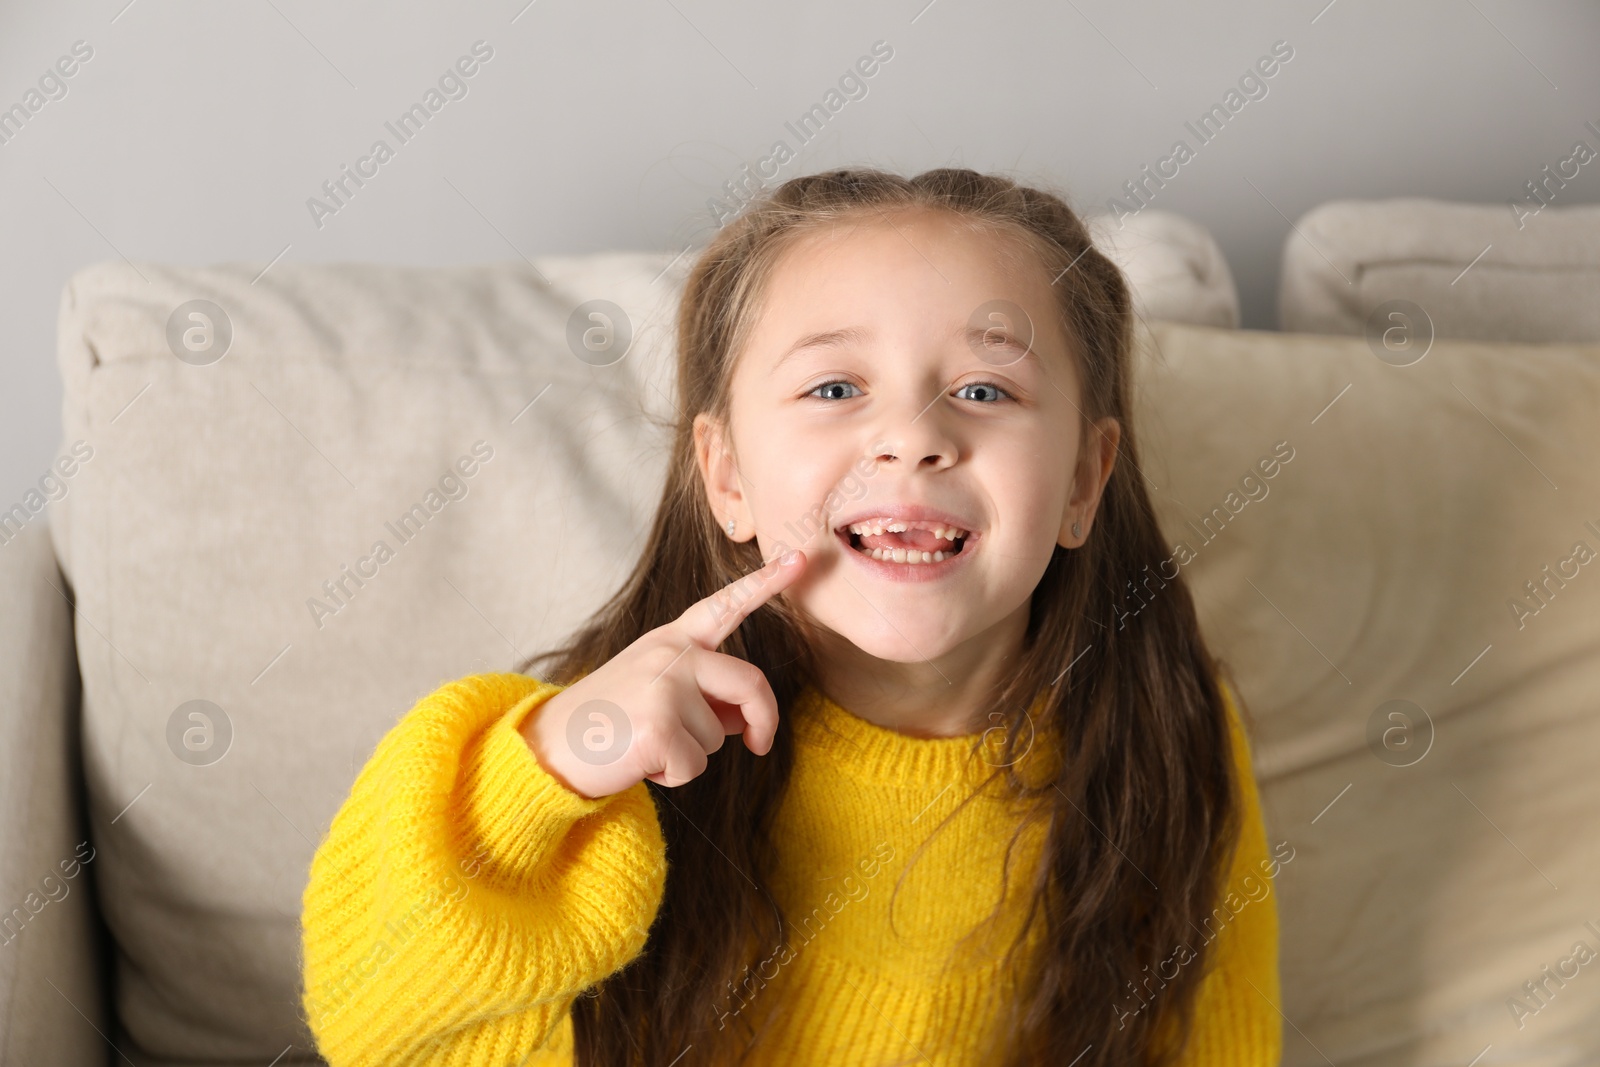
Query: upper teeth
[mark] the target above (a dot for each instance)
(881, 526)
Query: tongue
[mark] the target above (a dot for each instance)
(922, 540)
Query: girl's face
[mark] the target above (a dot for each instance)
(904, 406)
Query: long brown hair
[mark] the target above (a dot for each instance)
(1143, 814)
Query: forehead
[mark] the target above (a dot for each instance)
(919, 270)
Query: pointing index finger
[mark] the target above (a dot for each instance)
(708, 622)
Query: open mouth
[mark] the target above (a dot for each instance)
(913, 544)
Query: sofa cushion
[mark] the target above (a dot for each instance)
(1538, 278)
(1174, 266)
(1361, 538)
(392, 477)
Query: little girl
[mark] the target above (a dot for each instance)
(981, 812)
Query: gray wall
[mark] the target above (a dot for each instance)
(196, 132)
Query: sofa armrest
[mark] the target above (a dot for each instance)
(52, 1006)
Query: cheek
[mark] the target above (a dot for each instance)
(1029, 483)
(791, 481)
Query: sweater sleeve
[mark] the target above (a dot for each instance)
(463, 896)
(1237, 1020)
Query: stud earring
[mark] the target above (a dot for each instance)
(1077, 531)
(730, 527)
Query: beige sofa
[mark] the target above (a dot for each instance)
(201, 646)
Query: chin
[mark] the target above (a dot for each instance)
(900, 643)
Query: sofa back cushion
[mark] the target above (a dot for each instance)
(1174, 266)
(1525, 270)
(1402, 563)
(392, 477)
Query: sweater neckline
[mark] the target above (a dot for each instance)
(877, 753)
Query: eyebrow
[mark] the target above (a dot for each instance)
(840, 338)
(852, 335)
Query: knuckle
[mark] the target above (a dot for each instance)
(663, 655)
(653, 736)
(756, 677)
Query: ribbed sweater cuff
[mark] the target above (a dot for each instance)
(516, 812)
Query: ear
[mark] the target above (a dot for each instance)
(719, 473)
(1094, 470)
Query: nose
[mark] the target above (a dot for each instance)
(919, 435)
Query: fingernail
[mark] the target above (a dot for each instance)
(789, 557)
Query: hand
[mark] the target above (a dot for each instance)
(659, 707)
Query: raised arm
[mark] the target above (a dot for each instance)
(463, 896)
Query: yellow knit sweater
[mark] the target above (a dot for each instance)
(463, 897)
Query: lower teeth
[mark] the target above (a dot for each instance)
(904, 555)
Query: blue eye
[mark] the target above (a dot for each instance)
(985, 385)
(826, 385)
